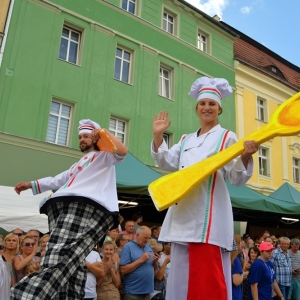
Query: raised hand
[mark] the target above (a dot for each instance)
(161, 123)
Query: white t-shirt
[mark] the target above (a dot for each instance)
(91, 281)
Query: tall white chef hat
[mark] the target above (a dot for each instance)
(87, 125)
(211, 88)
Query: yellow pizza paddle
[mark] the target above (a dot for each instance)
(171, 188)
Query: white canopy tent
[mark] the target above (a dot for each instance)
(21, 211)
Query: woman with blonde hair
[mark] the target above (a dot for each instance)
(107, 286)
(43, 243)
(28, 253)
(11, 247)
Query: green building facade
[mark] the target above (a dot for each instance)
(116, 62)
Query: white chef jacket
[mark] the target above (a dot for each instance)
(205, 214)
(93, 177)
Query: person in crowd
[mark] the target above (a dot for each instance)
(95, 271)
(153, 231)
(7, 274)
(162, 272)
(35, 234)
(237, 275)
(28, 250)
(294, 292)
(262, 278)
(31, 267)
(264, 235)
(20, 233)
(246, 238)
(121, 220)
(11, 247)
(121, 240)
(43, 243)
(129, 227)
(253, 254)
(202, 222)
(137, 266)
(81, 211)
(283, 266)
(268, 240)
(137, 219)
(112, 235)
(239, 244)
(275, 243)
(156, 233)
(108, 284)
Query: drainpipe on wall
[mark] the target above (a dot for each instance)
(11, 5)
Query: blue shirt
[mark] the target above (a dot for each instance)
(263, 274)
(283, 267)
(140, 280)
(236, 290)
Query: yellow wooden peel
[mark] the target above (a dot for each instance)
(171, 188)
(105, 143)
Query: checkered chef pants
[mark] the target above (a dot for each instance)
(75, 228)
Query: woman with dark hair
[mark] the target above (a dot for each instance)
(253, 254)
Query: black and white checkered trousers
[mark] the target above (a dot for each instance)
(75, 228)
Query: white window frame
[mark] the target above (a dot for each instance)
(77, 31)
(60, 116)
(264, 159)
(162, 90)
(296, 170)
(115, 131)
(202, 45)
(167, 137)
(166, 21)
(123, 60)
(127, 6)
(261, 105)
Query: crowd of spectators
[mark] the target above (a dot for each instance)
(134, 264)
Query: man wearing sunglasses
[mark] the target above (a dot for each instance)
(20, 233)
(80, 212)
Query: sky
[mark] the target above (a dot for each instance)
(273, 23)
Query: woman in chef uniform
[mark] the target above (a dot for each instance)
(200, 226)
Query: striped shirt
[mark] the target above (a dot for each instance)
(295, 258)
(283, 267)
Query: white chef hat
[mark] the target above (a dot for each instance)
(211, 88)
(87, 125)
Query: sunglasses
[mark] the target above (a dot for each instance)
(18, 234)
(28, 244)
(1, 247)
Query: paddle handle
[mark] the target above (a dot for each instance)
(183, 181)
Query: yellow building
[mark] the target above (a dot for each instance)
(264, 80)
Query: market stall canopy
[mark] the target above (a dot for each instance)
(246, 198)
(287, 193)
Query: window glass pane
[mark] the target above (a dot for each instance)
(65, 32)
(63, 131)
(121, 137)
(125, 72)
(170, 28)
(63, 49)
(74, 36)
(121, 126)
(124, 4)
(52, 127)
(167, 88)
(55, 107)
(73, 53)
(117, 74)
(131, 7)
(66, 110)
(112, 124)
(126, 55)
(166, 73)
(119, 52)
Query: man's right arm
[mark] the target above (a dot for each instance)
(132, 266)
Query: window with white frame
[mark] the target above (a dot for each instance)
(169, 22)
(123, 64)
(261, 109)
(263, 159)
(202, 42)
(59, 123)
(129, 5)
(118, 127)
(296, 164)
(165, 81)
(70, 45)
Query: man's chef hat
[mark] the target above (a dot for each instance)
(211, 88)
(87, 125)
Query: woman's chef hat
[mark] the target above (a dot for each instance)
(211, 88)
(87, 125)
